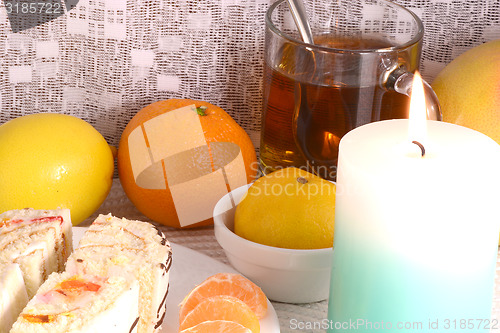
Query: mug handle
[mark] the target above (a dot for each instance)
(401, 81)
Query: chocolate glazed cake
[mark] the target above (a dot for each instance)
(68, 303)
(134, 250)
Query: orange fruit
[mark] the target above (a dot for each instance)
(178, 157)
(229, 284)
(222, 307)
(217, 326)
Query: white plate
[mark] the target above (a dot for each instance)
(190, 268)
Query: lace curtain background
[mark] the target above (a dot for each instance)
(106, 59)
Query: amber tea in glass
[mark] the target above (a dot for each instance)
(314, 94)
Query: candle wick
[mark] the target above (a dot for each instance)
(421, 146)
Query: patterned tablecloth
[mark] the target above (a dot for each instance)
(203, 240)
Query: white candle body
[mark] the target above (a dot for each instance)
(415, 237)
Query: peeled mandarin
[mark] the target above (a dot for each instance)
(222, 307)
(230, 284)
(217, 326)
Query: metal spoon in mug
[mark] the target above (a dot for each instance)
(300, 17)
(302, 117)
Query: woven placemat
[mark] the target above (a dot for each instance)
(291, 316)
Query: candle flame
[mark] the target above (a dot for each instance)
(417, 128)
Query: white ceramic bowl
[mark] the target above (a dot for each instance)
(285, 275)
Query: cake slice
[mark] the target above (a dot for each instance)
(13, 296)
(33, 244)
(39, 241)
(68, 303)
(134, 250)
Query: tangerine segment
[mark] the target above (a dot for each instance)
(222, 307)
(217, 326)
(229, 284)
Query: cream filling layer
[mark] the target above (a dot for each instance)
(120, 317)
(128, 268)
(13, 295)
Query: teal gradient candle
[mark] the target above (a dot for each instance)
(416, 229)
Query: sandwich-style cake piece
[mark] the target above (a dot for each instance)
(13, 295)
(133, 250)
(40, 241)
(33, 244)
(68, 303)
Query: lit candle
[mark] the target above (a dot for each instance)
(416, 228)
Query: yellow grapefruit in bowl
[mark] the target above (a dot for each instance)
(288, 208)
(50, 160)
